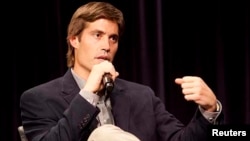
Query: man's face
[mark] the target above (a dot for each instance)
(99, 42)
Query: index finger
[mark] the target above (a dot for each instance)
(188, 78)
(184, 79)
(178, 80)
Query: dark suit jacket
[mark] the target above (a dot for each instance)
(55, 111)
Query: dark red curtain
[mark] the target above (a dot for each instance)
(162, 40)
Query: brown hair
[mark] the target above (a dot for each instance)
(89, 13)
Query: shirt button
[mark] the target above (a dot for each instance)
(211, 119)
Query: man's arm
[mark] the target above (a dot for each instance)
(46, 118)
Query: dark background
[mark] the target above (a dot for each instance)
(163, 40)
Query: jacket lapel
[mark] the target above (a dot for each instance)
(120, 107)
(69, 86)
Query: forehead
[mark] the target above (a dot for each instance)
(103, 25)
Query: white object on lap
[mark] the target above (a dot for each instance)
(109, 132)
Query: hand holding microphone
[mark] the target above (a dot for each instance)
(101, 77)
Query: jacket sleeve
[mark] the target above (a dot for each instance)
(43, 120)
(170, 128)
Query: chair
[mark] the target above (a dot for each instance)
(21, 133)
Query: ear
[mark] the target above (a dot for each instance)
(74, 41)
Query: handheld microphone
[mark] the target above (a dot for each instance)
(108, 82)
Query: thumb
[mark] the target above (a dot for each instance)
(178, 80)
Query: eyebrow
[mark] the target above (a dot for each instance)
(102, 32)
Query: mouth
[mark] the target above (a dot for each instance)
(103, 58)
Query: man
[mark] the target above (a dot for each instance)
(69, 108)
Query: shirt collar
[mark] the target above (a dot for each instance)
(80, 82)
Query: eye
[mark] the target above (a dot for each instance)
(97, 35)
(114, 38)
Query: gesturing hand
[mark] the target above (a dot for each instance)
(195, 89)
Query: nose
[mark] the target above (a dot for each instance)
(106, 45)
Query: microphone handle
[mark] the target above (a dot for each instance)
(108, 82)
